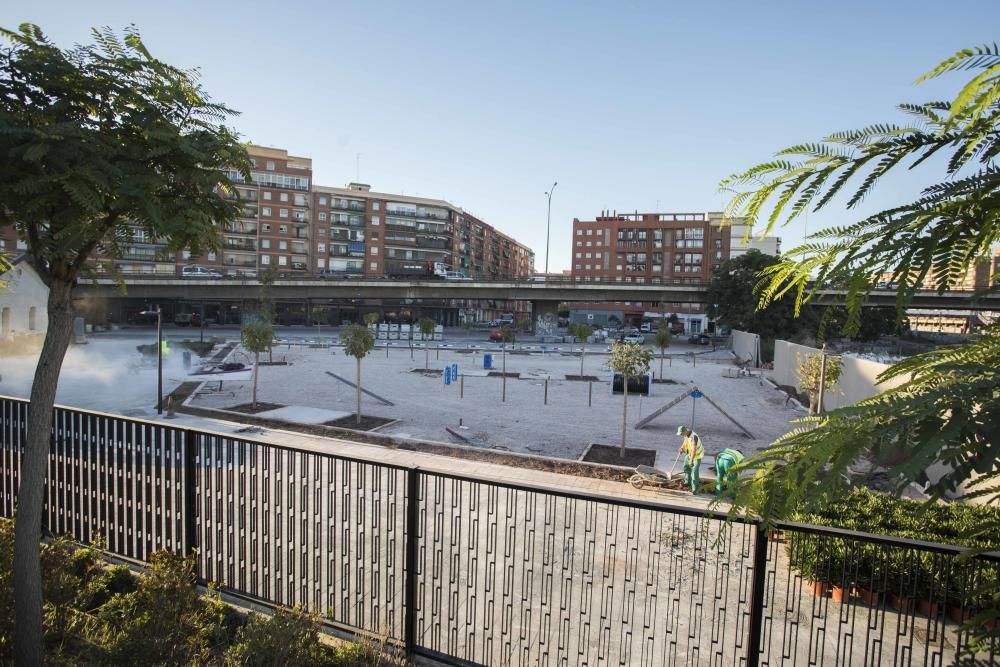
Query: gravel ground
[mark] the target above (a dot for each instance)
(424, 406)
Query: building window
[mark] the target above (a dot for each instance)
(597, 255)
(579, 266)
(322, 216)
(266, 227)
(282, 260)
(270, 165)
(320, 263)
(374, 251)
(282, 245)
(282, 212)
(283, 229)
(590, 232)
(265, 211)
(265, 259)
(374, 205)
(375, 220)
(210, 257)
(587, 267)
(579, 232)
(588, 255)
(300, 200)
(265, 244)
(579, 255)
(320, 247)
(267, 195)
(322, 201)
(322, 231)
(373, 266)
(588, 244)
(579, 244)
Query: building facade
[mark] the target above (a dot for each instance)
(648, 248)
(302, 229)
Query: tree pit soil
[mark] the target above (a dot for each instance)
(613, 473)
(274, 363)
(799, 396)
(500, 374)
(247, 408)
(611, 455)
(429, 372)
(368, 422)
(583, 378)
(664, 381)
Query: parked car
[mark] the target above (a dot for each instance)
(494, 323)
(187, 319)
(200, 272)
(456, 275)
(496, 336)
(634, 337)
(677, 329)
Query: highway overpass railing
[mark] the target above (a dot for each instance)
(471, 570)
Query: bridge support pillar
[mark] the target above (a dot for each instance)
(545, 317)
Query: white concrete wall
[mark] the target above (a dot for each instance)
(747, 346)
(24, 291)
(857, 379)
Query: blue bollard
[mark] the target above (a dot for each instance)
(454, 372)
(447, 375)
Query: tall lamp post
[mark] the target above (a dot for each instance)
(159, 356)
(548, 224)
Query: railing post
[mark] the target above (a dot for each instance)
(190, 499)
(757, 595)
(412, 545)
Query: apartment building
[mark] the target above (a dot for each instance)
(742, 239)
(303, 229)
(648, 248)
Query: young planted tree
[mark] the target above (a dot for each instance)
(580, 333)
(661, 339)
(100, 142)
(810, 371)
(257, 336)
(945, 414)
(631, 360)
(320, 314)
(506, 336)
(371, 318)
(358, 342)
(426, 326)
(266, 308)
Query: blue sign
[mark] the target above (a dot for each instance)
(447, 374)
(695, 394)
(454, 372)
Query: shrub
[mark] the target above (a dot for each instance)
(288, 637)
(843, 561)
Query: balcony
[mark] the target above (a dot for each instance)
(424, 242)
(351, 206)
(633, 244)
(246, 246)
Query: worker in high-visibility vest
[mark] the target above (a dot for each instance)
(693, 452)
(724, 463)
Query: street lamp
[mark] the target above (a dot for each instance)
(548, 223)
(159, 356)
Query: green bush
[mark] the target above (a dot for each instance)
(97, 614)
(845, 562)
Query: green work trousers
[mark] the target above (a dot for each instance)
(722, 465)
(692, 473)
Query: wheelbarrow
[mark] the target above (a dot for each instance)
(648, 475)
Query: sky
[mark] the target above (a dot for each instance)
(628, 105)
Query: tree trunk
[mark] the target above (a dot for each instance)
(661, 363)
(583, 353)
(357, 389)
(427, 357)
(256, 366)
(34, 463)
(624, 410)
(813, 402)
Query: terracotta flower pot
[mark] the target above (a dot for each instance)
(901, 603)
(818, 588)
(928, 608)
(841, 594)
(777, 536)
(870, 598)
(959, 614)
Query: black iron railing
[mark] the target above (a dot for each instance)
(467, 569)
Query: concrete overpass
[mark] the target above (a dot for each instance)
(544, 294)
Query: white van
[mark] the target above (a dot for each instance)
(200, 272)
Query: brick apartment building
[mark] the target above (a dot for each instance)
(648, 248)
(300, 228)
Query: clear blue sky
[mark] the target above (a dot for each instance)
(485, 104)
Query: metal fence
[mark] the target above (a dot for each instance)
(470, 570)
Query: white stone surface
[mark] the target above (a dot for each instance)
(424, 406)
(304, 415)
